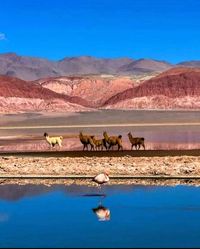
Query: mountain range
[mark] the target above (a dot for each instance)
(87, 83)
(32, 68)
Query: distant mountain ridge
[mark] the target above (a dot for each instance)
(33, 68)
(189, 64)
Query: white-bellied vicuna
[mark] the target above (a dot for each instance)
(136, 141)
(86, 140)
(53, 140)
(99, 143)
(113, 140)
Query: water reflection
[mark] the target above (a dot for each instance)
(102, 213)
(13, 190)
(36, 215)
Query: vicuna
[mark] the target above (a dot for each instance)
(113, 140)
(86, 140)
(136, 141)
(99, 143)
(53, 140)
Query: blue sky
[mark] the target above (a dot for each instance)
(161, 29)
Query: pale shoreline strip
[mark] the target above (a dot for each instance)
(97, 126)
(114, 177)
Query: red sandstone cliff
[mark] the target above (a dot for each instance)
(176, 88)
(19, 95)
(95, 89)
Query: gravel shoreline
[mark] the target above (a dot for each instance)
(89, 183)
(123, 166)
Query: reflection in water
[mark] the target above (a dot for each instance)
(57, 216)
(102, 213)
(94, 195)
(17, 190)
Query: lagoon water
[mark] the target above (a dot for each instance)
(63, 216)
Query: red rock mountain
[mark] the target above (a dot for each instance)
(176, 88)
(95, 89)
(16, 94)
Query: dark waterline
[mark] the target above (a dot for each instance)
(62, 216)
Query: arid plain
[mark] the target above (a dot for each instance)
(173, 132)
(161, 129)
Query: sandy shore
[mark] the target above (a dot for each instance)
(127, 165)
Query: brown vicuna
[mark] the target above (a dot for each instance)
(113, 140)
(86, 140)
(136, 141)
(99, 143)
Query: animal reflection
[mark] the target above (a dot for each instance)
(102, 213)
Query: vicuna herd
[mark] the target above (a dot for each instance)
(107, 142)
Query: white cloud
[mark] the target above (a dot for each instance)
(2, 36)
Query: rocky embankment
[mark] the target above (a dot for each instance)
(115, 166)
